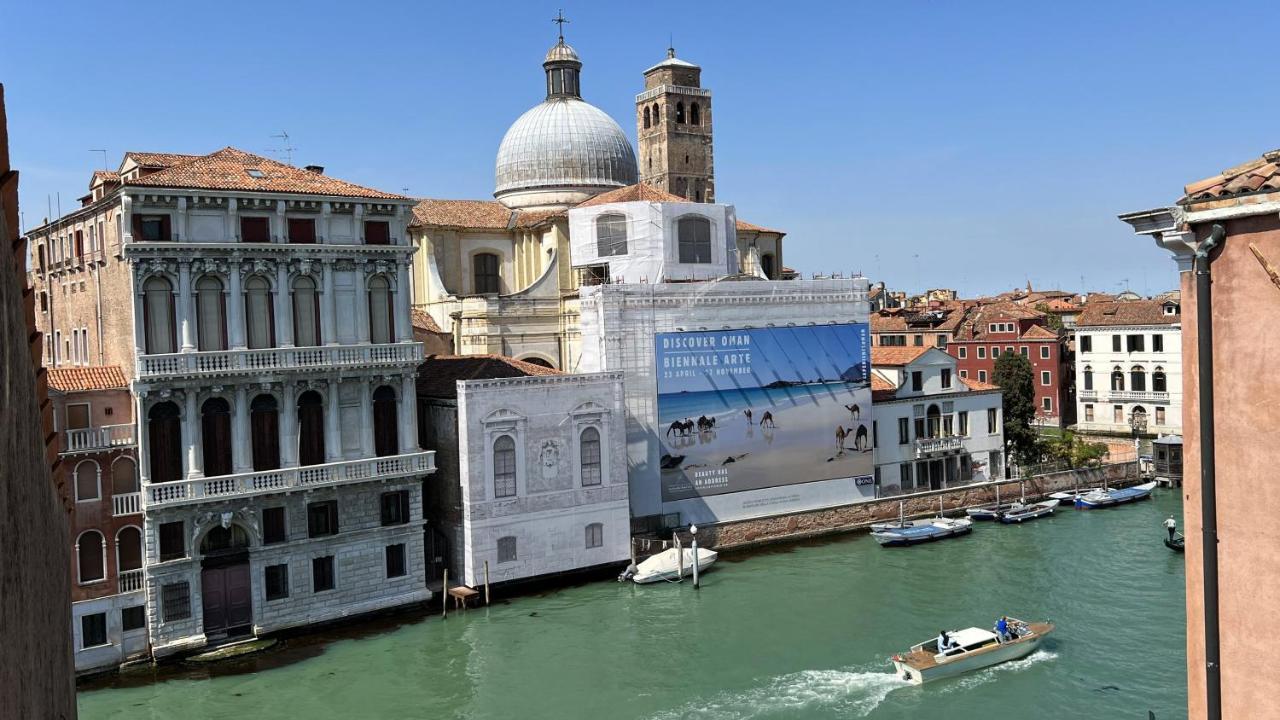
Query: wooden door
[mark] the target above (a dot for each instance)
(213, 593)
(239, 597)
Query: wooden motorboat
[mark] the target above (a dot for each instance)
(1068, 497)
(1023, 513)
(936, 529)
(1108, 498)
(991, 512)
(667, 565)
(971, 649)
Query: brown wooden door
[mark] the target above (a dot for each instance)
(165, 433)
(310, 429)
(386, 436)
(264, 422)
(213, 593)
(239, 595)
(215, 424)
(227, 597)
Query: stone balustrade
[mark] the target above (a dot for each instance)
(214, 363)
(130, 580)
(126, 504)
(924, 446)
(98, 438)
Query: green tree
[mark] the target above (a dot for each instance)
(1075, 452)
(1054, 322)
(1014, 376)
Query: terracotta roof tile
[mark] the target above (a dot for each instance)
(104, 176)
(81, 379)
(422, 320)
(158, 160)
(228, 169)
(1039, 332)
(640, 192)
(1133, 312)
(895, 356)
(744, 226)
(881, 389)
(1258, 175)
(978, 384)
(481, 214)
(439, 375)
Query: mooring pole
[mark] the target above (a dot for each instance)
(486, 583)
(693, 530)
(444, 599)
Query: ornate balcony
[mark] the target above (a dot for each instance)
(1140, 396)
(229, 363)
(126, 504)
(95, 439)
(129, 580)
(227, 487)
(925, 446)
(1088, 394)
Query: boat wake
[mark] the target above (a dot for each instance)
(972, 680)
(847, 692)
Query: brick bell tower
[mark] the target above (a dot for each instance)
(673, 124)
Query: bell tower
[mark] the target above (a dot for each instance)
(673, 124)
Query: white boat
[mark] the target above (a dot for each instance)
(1068, 497)
(935, 529)
(664, 565)
(971, 649)
(1022, 513)
(1107, 498)
(992, 511)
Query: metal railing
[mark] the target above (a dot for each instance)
(1140, 395)
(98, 438)
(941, 444)
(126, 504)
(230, 362)
(130, 580)
(182, 492)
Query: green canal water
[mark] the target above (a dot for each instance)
(797, 632)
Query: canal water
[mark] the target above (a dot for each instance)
(803, 631)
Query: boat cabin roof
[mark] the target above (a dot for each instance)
(971, 636)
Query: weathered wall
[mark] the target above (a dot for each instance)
(36, 671)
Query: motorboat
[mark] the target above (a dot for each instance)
(1176, 543)
(936, 529)
(672, 563)
(1068, 497)
(1107, 498)
(992, 511)
(1023, 513)
(969, 649)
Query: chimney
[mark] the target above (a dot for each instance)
(317, 169)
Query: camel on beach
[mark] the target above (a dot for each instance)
(860, 439)
(854, 410)
(747, 412)
(766, 420)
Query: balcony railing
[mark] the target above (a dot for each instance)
(183, 492)
(126, 504)
(253, 362)
(1140, 396)
(1088, 394)
(129, 580)
(925, 446)
(98, 438)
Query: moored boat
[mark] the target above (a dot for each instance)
(1068, 497)
(992, 511)
(971, 649)
(1107, 498)
(936, 529)
(666, 564)
(1028, 512)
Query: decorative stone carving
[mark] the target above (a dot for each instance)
(549, 459)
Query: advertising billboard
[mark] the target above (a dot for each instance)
(763, 407)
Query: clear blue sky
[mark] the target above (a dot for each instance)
(929, 144)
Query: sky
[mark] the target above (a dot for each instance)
(962, 145)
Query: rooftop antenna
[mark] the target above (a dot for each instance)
(287, 149)
(671, 45)
(104, 158)
(560, 20)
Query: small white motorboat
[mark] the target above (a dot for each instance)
(1107, 498)
(992, 511)
(1022, 513)
(935, 529)
(1068, 497)
(970, 649)
(666, 564)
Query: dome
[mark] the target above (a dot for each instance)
(562, 52)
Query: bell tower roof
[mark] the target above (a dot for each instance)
(672, 61)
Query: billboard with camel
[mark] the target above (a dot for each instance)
(762, 407)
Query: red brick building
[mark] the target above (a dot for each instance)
(989, 330)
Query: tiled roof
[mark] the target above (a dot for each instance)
(895, 356)
(640, 192)
(881, 389)
(1133, 312)
(158, 160)
(439, 374)
(975, 325)
(228, 169)
(422, 320)
(482, 214)
(1261, 175)
(899, 320)
(80, 379)
(1039, 332)
(744, 226)
(978, 384)
(106, 176)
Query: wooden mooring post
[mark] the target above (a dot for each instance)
(444, 595)
(486, 583)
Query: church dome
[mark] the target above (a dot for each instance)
(564, 150)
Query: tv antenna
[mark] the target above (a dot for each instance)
(288, 149)
(104, 157)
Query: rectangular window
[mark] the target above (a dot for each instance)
(277, 581)
(1046, 377)
(322, 518)
(904, 431)
(1086, 343)
(273, 526)
(918, 340)
(1046, 402)
(172, 544)
(941, 341)
(175, 601)
(484, 268)
(982, 352)
(1134, 343)
(946, 378)
(1088, 412)
(93, 630)
(1117, 414)
(982, 376)
(322, 573)
(995, 352)
(1115, 343)
(964, 373)
(395, 507)
(962, 352)
(964, 422)
(1044, 352)
(917, 380)
(506, 549)
(595, 535)
(133, 618)
(395, 561)
(377, 232)
(904, 476)
(151, 228)
(255, 230)
(1157, 343)
(993, 424)
(1159, 415)
(1022, 349)
(302, 230)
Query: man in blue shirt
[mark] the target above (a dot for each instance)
(1002, 628)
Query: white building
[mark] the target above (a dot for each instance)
(533, 474)
(933, 429)
(1129, 367)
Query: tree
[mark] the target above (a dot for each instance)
(1053, 320)
(1075, 452)
(1014, 376)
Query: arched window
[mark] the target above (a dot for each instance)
(264, 422)
(90, 562)
(306, 313)
(695, 114)
(657, 113)
(767, 266)
(88, 476)
(504, 467)
(611, 235)
(310, 428)
(1117, 380)
(381, 325)
(161, 337)
(124, 476)
(164, 435)
(215, 436)
(646, 124)
(694, 235)
(484, 272)
(211, 320)
(933, 422)
(386, 436)
(1159, 382)
(259, 317)
(589, 456)
(595, 535)
(1137, 379)
(1088, 377)
(128, 549)
(680, 113)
